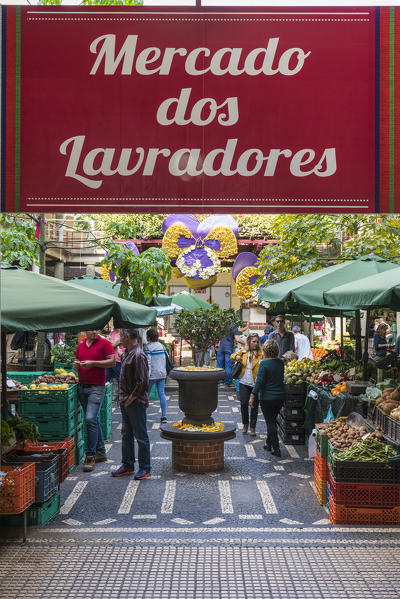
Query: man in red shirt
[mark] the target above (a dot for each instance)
(93, 355)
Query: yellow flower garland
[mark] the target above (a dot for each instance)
(204, 428)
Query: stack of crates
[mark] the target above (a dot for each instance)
(105, 415)
(363, 492)
(56, 413)
(26, 378)
(291, 417)
(321, 468)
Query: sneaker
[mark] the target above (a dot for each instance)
(88, 464)
(122, 471)
(163, 420)
(253, 432)
(100, 457)
(141, 473)
(245, 429)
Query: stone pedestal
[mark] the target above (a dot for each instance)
(197, 456)
(196, 451)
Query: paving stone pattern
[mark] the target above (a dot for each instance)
(253, 530)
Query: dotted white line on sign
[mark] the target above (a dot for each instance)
(289, 521)
(144, 516)
(279, 468)
(241, 477)
(297, 475)
(250, 517)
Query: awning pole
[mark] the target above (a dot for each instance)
(3, 352)
(341, 333)
(365, 354)
(358, 335)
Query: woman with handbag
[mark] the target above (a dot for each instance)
(157, 357)
(245, 367)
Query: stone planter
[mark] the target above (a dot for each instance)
(198, 393)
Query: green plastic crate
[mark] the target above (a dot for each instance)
(57, 402)
(26, 378)
(78, 436)
(79, 452)
(37, 515)
(65, 365)
(322, 444)
(53, 428)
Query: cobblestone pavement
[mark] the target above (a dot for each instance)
(254, 530)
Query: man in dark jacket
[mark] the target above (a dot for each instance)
(284, 338)
(134, 400)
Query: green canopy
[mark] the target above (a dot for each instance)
(377, 291)
(34, 302)
(184, 300)
(108, 287)
(309, 291)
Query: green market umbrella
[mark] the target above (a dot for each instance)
(309, 291)
(108, 287)
(34, 302)
(377, 291)
(188, 301)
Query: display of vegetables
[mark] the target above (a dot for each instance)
(340, 434)
(298, 371)
(395, 413)
(368, 450)
(389, 400)
(340, 388)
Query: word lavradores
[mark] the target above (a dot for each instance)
(124, 58)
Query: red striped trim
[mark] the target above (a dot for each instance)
(10, 109)
(397, 112)
(384, 109)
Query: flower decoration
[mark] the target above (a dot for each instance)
(205, 428)
(198, 247)
(245, 273)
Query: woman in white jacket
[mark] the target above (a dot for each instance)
(156, 355)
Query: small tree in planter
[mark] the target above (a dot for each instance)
(204, 327)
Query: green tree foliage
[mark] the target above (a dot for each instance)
(144, 226)
(203, 328)
(312, 241)
(140, 277)
(18, 244)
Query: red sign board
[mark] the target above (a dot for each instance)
(122, 109)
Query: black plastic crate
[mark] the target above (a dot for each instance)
(290, 426)
(364, 472)
(291, 438)
(293, 413)
(46, 473)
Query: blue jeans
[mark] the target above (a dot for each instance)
(160, 384)
(224, 361)
(91, 397)
(114, 373)
(134, 427)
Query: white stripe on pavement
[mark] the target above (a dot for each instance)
(225, 497)
(102, 522)
(250, 451)
(129, 496)
(292, 451)
(167, 506)
(266, 497)
(73, 497)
